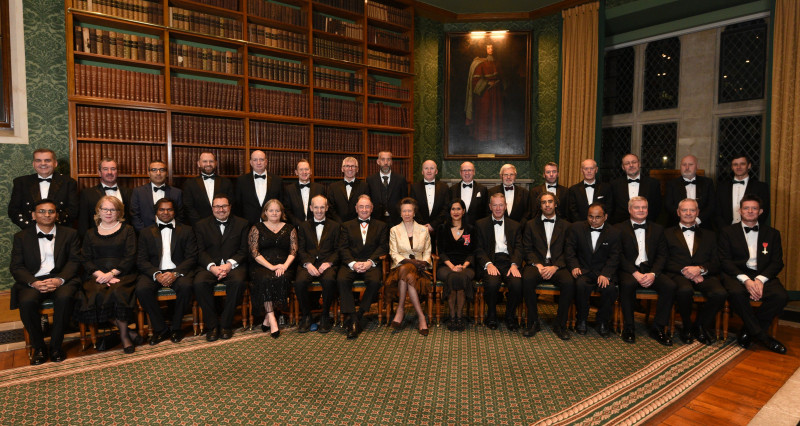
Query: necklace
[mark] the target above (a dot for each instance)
(109, 227)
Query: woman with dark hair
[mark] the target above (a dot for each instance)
(455, 248)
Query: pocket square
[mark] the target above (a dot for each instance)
(478, 196)
(601, 196)
(605, 244)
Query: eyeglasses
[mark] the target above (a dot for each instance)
(44, 211)
(155, 170)
(166, 210)
(349, 166)
(104, 210)
(220, 207)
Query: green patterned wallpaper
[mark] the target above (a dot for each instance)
(46, 73)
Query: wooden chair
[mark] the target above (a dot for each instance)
(47, 308)
(165, 294)
(773, 328)
(220, 290)
(721, 316)
(358, 287)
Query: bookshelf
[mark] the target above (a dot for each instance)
(168, 79)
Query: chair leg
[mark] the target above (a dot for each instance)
(28, 347)
(140, 320)
(200, 320)
(726, 314)
(672, 321)
(82, 328)
(93, 334)
(195, 319)
(245, 297)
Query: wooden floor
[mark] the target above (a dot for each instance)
(731, 396)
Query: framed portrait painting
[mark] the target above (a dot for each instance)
(487, 95)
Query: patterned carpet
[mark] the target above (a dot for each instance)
(477, 376)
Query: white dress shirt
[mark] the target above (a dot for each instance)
(737, 193)
(304, 194)
(466, 193)
(640, 242)
(548, 232)
(209, 184)
(157, 195)
(261, 187)
(430, 193)
(595, 236)
(44, 186)
(691, 190)
(509, 199)
(752, 247)
(689, 237)
(116, 193)
(46, 253)
(633, 187)
(166, 247)
(589, 190)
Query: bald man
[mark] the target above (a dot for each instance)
(474, 195)
(587, 192)
(255, 188)
(433, 198)
(692, 186)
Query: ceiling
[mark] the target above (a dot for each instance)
(493, 6)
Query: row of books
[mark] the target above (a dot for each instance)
(388, 39)
(131, 159)
(328, 164)
(284, 163)
(205, 58)
(388, 61)
(118, 45)
(184, 160)
(137, 10)
(327, 78)
(130, 182)
(355, 6)
(277, 12)
(389, 13)
(276, 69)
(199, 22)
(277, 38)
(396, 144)
(388, 115)
(338, 109)
(265, 101)
(266, 134)
(383, 88)
(337, 26)
(205, 94)
(207, 130)
(225, 4)
(335, 139)
(340, 51)
(121, 124)
(113, 83)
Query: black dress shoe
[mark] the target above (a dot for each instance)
(39, 356)
(264, 328)
(744, 339)
(305, 325)
(212, 335)
(58, 355)
(532, 329)
(129, 349)
(226, 334)
(461, 324)
(774, 345)
(704, 336)
(686, 335)
(275, 334)
(325, 324)
(512, 324)
(603, 330)
(628, 335)
(561, 332)
(581, 328)
(176, 336)
(491, 323)
(137, 341)
(660, 336)
(354, 329)
(157, 338)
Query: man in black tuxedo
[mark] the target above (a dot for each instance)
(144, 198)
(730, 193)
(318, 255)
(634, 184)
(517, 198)
(543, 248)
(45, 259)
(587, 192)
(223, 250)
(108, 186)
(752, 256)
(198, 192)
(592, 255)
(474, 195)
(693, 264)
(644, 253)
(499, 257)
(44, 183)
(167, 256)
(387, 188)
(343, 194)
(256, 188)
(552, 186)
(433, 199)
(690, 185)
(297, 195)
(362, 244)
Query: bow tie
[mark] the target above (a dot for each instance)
(208, 177)
(497, 222)
(688, 182)
(349, 183)
(257, 176)
(304, 185)
(738, 181)
(219, 223)
(160, 188)
(110, 188)
(43, 235)
(549, 220)
(363, 221)
(552, 186)
(430, 183)
(589, 185)
(320, 223)
(509, 188)
(755, 229)
(45, 179)
(691, 228)
(161, 226)
(639, 226)
(633, 180)
(595, 229)
(466, 185)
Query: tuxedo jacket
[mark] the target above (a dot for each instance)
(706, 201)
(309, 250)
(725, 201)
(479, 203)
(441, 204)
(562, 197)
(733, 252)
(520, 209)
(578, 204)
(387, 199)
(195, 198)
(26, 258)
(484, 232)
(352, 247)
(183, 248)
(655, 247)
(400, 248)
(88, 201)
(25, 193)
(143, 213)
(341, 208)
(534, 242)
(704, 253)
(293, 201)
(603, 259)
(215, 247)
(648, 188)
(247, 205)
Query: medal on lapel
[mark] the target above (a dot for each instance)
(765, 247)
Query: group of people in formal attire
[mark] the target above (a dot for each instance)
(97, 253)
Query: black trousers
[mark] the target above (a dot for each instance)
(30, 301)
(662, 285)
(204, 283)
(304, 279)
(584, 285)
(562, 279)
(712, 289)
(491, 288)
(146, 292)
(373, 279)
(773, 299)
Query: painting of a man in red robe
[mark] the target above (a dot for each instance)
(484, 99)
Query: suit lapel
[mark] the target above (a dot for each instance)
(202, 187)
(58, 246)
(32, 243)
(159, 249)
(36, 193)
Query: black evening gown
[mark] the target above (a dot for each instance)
(457, 251)
(275, 247)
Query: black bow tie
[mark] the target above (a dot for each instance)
(549, 220)
(222, 223)
(43, 235)
(688, 182)
(161, 226)
(639, 226)
(160, 188)
(257, 176)
(497, 222)
(595, 229)
(110, 188)
(633, 180)
(552, 186)
(349, 183)
(45, 179)
(363, 221)
(304, 185)
(691, 228)
(466, 185)
(430, 183)
(208, 177)
(738, 181)
(755, 229)
(509, 188)
(589, 185)
(320, 223)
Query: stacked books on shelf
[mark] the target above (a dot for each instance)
(131, 159)
(277, 12)
(205, 94)
(327, 78)
(199, 22)
(114, 83)
(396, 144)
(336, 50)
(355, 6)
(265, 134)
(338, 26)
(224, 4)
(388, 115)
(137, 10)
(277, 38)
(336, 139)
(386, 89)
(388, 13)
(335, 109)
(277, 69)
(328, 164)
(118, 44)
(184, 160)
(205, 58)
(120, 124)
(397, 164)
(388, 61)
(278, 102)
(388, 39)
(283, 163)
(207, 130)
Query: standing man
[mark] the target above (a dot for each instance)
(730, 193)
(433, 199)
(223, 251)
(45, 259)
(634, 184)
(43, 183)
(690, 185)
(199, 192)
(484, 103)
(516, 197)
(386, 189)
(752, 256)
(297, 195)
(475, 195)
(362, 244)
(552, 186)
(588, 192)
(143, 198)
(256, 188)
(108, 186)
(644, 254)
(343, 194)
(499, 256)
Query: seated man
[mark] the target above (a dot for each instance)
(318, 255)
(222, 247)
(751, 257)
(362, 243)
(167, 255)
(592, 256)
(44, 263)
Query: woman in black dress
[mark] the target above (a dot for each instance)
(455, 246)
(273, 247)
(109, 259)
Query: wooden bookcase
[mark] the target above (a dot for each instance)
(321, 80)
